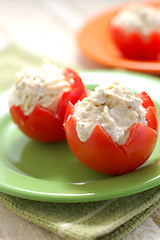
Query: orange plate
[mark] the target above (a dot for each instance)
(96, 43)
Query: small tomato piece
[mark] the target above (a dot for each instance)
(78, 92)
(146, 100)
(152, 118)
(151, 111)
(43, 124)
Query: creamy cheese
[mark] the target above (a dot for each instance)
(140, 17)
(114, 108)
(42, 87)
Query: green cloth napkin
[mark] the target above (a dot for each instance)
(110, 219)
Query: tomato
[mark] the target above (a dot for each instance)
(151, 114)
(146, 100)
(102, 154)
(43, 124)
(135, 46)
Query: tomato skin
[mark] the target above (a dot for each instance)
(135, 46)
(93, 152)
(102, 154)
(43, 124)
(152, 118)
(146, 100)
(151, 111)
(140, 145)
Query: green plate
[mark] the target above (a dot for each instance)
(50, 172)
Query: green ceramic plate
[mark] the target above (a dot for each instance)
(50, 172)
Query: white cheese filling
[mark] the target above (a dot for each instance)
(140, 17)
(42, 87)
(114, 108)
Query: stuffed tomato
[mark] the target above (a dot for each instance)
(112, 131)
(38, 101)
(136, 31)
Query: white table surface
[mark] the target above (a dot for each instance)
(48, 28)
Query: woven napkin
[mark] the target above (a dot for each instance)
(110, 219)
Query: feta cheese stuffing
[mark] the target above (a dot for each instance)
(114, 108)
(42, 87)
(140, 17)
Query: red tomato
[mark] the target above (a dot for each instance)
(133, 45)
(43, 124)
(102, 154)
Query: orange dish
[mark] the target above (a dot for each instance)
(97, 44)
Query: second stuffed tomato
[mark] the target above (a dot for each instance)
(112, 131)
(135, 31)
(38, 101)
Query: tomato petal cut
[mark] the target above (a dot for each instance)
(77, 82)
(41, 124)
(152, 118)
(103, 155)
(69, 111)
(140, 144)
(146, 100)
(99, 152)
(77, 92)
(17, 115)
